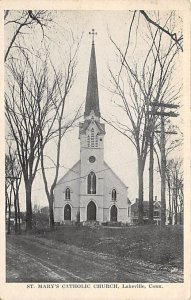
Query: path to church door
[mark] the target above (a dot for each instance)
(67, 212)
(113, 214)
(91, 211)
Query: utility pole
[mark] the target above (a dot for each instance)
(151, 164)
(163, 170)
(163, 114)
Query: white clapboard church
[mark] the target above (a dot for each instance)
(90, 190)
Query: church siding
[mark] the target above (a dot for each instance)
(58, 214)
(113, 182)
(70, 180)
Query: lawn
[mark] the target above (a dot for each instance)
(155, 244)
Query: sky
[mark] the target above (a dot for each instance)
(119, 152)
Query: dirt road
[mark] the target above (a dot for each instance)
(32, 259)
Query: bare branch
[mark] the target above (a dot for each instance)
(173, 36)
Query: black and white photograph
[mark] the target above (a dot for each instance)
(94, 130)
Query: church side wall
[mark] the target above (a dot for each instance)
(71, 181)
(113, 182)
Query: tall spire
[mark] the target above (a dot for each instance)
(92, 96)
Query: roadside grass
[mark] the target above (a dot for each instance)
(155, 244)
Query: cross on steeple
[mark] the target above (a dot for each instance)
(93, 33)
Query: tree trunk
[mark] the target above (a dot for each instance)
(151, 163)
(28, 187)
(6, 206)
(9, 213)
(16, 215)
(140, 179)
(172, 206)
(51, 210)
(175, 207)
(19, 215)
(6, 201)
(169, 202)
(9, 219)
(181, 219)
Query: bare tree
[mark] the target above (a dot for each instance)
(34, 108)
(31, 94)
(63, 83)
(13, 175)
(8, 193)
(174, 180)
(138, 85)
(18, 22)
(173, 141)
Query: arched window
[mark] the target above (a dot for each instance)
(88, 140)
(91, 183)
(67, 212)
(91, 211)
(96, 141)
(113, 214)
(67, 194)
(113, 195)
(92, 138)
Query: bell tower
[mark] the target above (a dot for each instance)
(91, 135)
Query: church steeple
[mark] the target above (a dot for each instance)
(92, 95)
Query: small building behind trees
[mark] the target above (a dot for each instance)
(156, 212)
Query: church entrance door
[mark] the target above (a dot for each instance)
(91, 211)
(113, 214)
(67, 212)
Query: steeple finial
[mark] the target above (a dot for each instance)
(93, 33)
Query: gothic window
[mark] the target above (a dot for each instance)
(67, 212)
(92, 138)
(96, 141)
(113, 214)
(91, 211)
(113, 195)
(67, 194)
(88, 140)
(91, 184)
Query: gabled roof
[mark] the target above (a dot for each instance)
(134, 206)
(77, 176)
(92, 96)
(84, 126)
(101, 127)
(108, 167)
